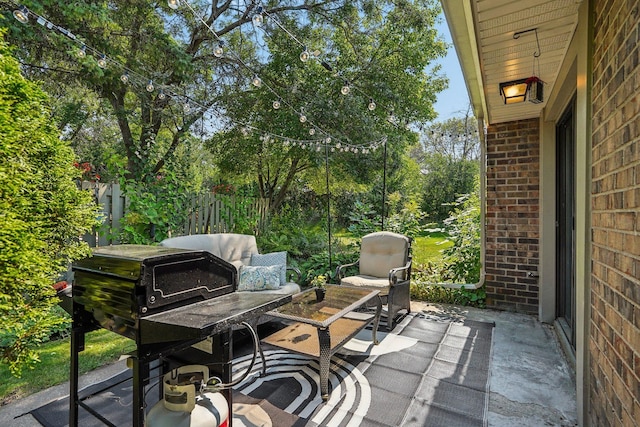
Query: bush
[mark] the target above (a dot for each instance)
(42, 215)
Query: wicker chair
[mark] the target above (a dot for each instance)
(384, 265)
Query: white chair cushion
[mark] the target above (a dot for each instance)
(366, 281)
(382, 251)
(231, 247)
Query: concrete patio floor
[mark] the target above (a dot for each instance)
(531, 384)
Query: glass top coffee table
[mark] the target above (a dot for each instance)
(321, 327)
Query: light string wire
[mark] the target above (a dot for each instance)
(372, 105)
(329, 138)
(132, 76)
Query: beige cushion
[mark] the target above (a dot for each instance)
(367, 281)
(382, 251)
(233, 248)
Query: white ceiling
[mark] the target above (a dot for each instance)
(501, 58)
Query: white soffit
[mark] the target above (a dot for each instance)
(502, 58)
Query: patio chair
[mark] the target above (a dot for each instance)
(384, 265)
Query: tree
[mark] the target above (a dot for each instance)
(449, 160)
(378, 53)
(42, 215)
(382, 48)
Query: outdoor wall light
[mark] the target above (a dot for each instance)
(514, 92)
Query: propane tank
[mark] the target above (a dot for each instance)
(186, 401)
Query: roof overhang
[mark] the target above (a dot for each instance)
(489, 54)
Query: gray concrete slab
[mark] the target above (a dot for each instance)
(531, 384)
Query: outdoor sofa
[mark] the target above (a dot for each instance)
(256, 272)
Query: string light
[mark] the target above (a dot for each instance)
(174, 4)
(21, 14)
(345, 89)
(218, 51)
(126, 77)
(372, 105)
(304, 55)
(258, 19)
(257, 81)
(82, 52)
(276, 104)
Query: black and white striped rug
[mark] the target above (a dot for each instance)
(427, 372)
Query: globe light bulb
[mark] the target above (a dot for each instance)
(150, 86)
(218, 51)
(124, 77)
(82, 52)
(257, 82)
(372, 105)
(328, 140)
(102, 62)
(174, 4)
(21, 14)
(304, 55)
(258, 19)
(276, 104)
(345, 89)
(186, 108)
(161, 95)
(312, 131)
(303, 118)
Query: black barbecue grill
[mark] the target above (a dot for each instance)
(165, 299)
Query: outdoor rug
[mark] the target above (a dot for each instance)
(429, 371)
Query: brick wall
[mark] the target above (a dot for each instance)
(614, 341)
(512, 221)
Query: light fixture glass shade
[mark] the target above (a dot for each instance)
(21, 14)
(514, 92)
(173, 4)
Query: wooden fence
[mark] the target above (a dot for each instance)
(207, 213)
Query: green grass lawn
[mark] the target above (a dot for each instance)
(429, 248)
(101, 347)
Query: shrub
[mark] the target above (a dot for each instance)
(42, 213)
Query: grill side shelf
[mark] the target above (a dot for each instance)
(206, 318)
